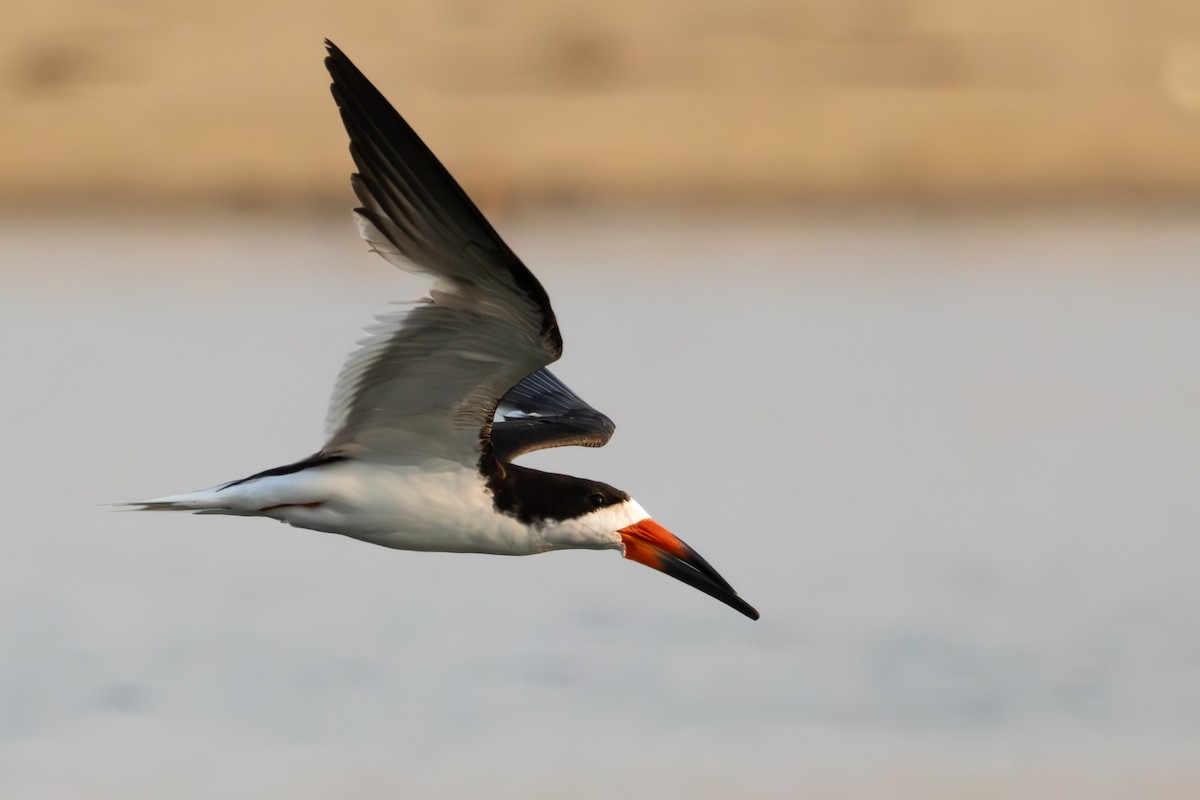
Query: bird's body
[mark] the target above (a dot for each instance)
(435, 507)
(429, 413)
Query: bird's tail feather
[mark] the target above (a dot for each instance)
(205, 501)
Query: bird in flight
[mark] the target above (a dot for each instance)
(428, 415)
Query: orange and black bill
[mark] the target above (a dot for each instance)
(649, 543)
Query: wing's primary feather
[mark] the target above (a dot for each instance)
(415, 205)
(426, 380)
(541, 412)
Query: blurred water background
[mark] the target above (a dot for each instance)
(904, 342)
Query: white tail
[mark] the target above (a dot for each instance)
(205, 501)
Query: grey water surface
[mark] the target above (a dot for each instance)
(952, 458)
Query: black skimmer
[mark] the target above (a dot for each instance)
(429, 413)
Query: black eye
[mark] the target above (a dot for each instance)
(596, 499)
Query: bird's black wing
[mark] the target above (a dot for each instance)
(541, 412)
(425, 383)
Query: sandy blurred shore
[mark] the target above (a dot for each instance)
(541, 101)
